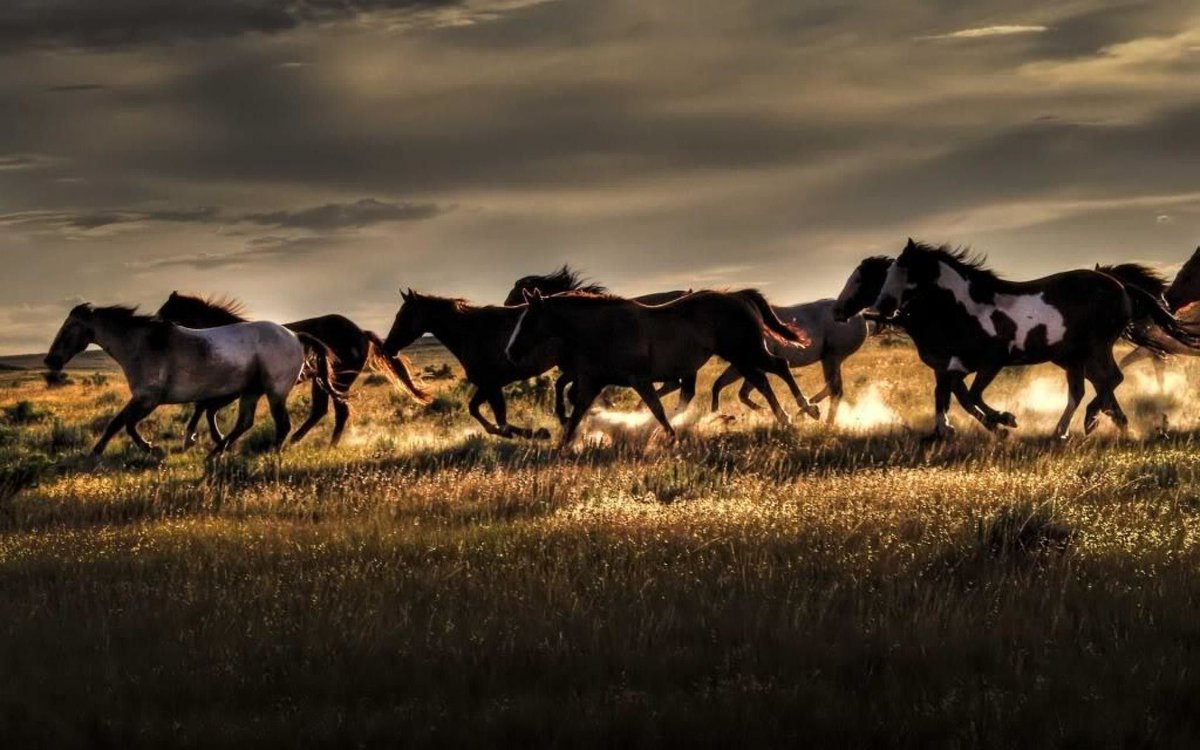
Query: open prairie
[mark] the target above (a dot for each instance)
(426, 584)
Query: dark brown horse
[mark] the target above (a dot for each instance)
(602, 340)
(353, 350)
(1180, 297)
(476, 336)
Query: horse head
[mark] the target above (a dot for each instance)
(72, 338)
(532, 328)
(862, 288)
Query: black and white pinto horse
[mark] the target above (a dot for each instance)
(986, 323)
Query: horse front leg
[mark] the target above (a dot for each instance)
(473, 405)
(496, 400)
(646, 391)
(141, 409)
(944, 382)
(583, 393)
(560, 397)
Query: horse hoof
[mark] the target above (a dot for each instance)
(1008, 419)
(813, 411)
(1090, 425)
(541, 433)
(190, 440)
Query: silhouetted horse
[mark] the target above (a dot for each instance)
(986, 323)
(604, 340)
(353, 349)
(476, 336)
(1186, 283)
(833, 341)
(167, 364)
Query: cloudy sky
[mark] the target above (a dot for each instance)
(311, 156)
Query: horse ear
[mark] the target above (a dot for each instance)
(174, 294)
(526, 295)
(910, 244)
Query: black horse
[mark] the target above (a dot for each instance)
(599, 340)
(477, 337)
(965, 319)
(1179, 296)
(831, 341)
(353, 349)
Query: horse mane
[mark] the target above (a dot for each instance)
(1182, 290)
(231, 306)
(1137, 275)
(457, 304)
(127, 316)
(584, 294)
(565, 279)
(969, 263)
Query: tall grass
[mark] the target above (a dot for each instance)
(425, 584)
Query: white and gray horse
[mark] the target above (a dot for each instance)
(832, 341)
(168, 364)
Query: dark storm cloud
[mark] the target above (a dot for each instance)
(257, 250)
(334, 216)
(75, 88)
(115, 23)
(330, 217)
(1024, 163)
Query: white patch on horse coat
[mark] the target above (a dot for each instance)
(1026, 311)
(516, 332)
(956, 365)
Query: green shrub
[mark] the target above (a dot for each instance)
(25, 412)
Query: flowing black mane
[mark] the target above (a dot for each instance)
(962, 259)
(1138, 275)
(219, 309)
(125, 315)
(565, 279)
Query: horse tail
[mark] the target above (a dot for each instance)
(395, 368)
(772, 324)
(1150, 312)
(326, 362)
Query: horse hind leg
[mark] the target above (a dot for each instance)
(646, 391)
(141, 410)
(1074, 396)
(245, 420)
(831, 368)
(726, 378)
(320, 407)
(758, 379)
(780, 367)
(1105, 377)
(281, 418)
(744, 394)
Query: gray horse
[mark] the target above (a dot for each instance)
(167, 364)
(832, 342)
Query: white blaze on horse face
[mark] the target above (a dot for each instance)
(1026, 311)
(516, 332)
(894, 286)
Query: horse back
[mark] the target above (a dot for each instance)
(343, 336)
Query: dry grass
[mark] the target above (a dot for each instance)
(428, 585)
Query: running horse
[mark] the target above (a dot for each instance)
(965, 319)
(476, 336)
(353, 349)
(1180, 296)
(168, 364)
(599, 340)
(832, 341)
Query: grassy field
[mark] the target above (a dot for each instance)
(425, 584)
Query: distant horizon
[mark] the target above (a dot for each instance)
(311, 159)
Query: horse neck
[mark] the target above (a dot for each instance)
(449, 324)
(119, 342)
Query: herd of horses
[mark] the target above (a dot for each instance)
(963, 318)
